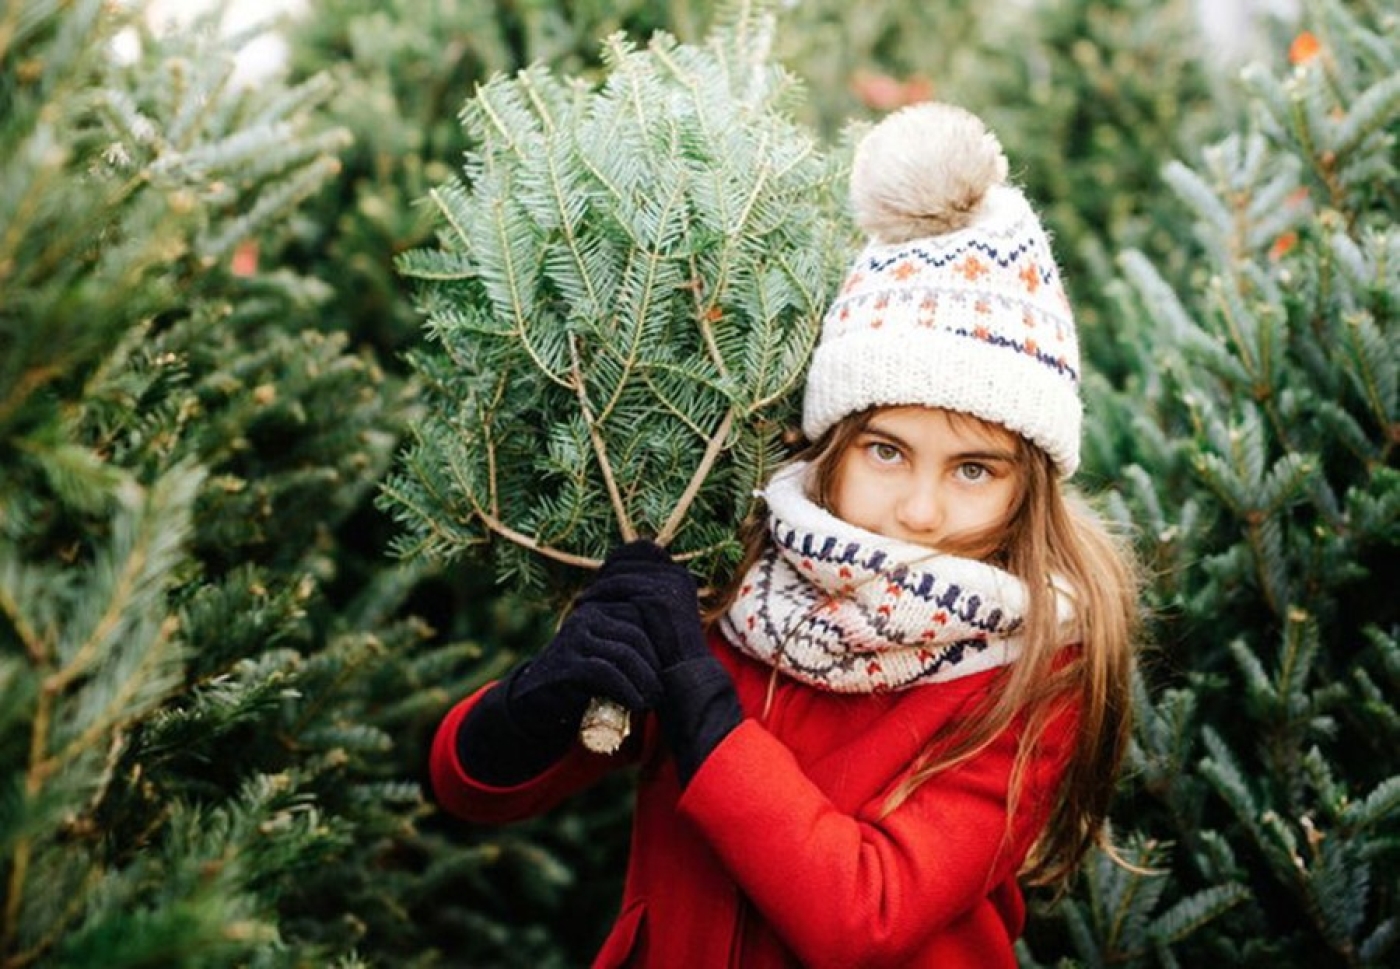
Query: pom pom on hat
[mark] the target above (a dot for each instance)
(924, 171)
(956, 301)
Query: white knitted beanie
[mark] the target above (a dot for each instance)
(956, 301)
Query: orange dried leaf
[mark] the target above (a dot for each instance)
(1304, 48)
(245, 259)
(883, 92)
(1283, 245)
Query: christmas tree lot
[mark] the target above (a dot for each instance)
(196, 748)
(1253, 448)
(240, 328)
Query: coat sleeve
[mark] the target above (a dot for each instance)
(467, 798)
(865, 889)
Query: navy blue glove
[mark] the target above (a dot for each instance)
(529, 720)
(699, 706)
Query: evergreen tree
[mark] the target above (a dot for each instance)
(1257, 435)
(195, 746)
(627, 287)
(860, 61)
(403, 70)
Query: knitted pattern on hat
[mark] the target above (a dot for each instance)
(846, 610)
(956, 302)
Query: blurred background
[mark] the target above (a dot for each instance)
(217, 684)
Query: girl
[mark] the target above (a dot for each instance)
(915, 691)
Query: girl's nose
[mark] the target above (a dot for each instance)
(920, 510)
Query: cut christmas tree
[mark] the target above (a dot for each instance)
(628, 285)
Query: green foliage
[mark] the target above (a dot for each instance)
(1118, 919)
(627, 288)
(1095, 99)
(402, 71)
(195, 741)
(861, 60)
(1258, 429)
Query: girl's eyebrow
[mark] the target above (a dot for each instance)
(1004, 456)
(890, 436)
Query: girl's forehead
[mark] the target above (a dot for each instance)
(915, 418)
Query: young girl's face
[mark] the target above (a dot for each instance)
(929, 477)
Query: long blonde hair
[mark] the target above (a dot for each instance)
(1049, 530)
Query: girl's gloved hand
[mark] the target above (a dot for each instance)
(527, 721)
(699, 706)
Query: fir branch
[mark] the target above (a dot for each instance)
(35, 643)
(1380, 804)
(195, 106)
(619, 52)
(409, 508)
(807, 335)
(492, 487)
(526, 83)
(566, 223)
(442, 197)
(518, 315)
(1373, 111)
(703, 309)
(121, 709)
(655, 242)
(1370, 356)
(1194, 911)
(273, 203)
(628, 360)
(600, 451)
(61, 926)
(25, 225)
(533, 544)
(482, 103)
(20, 857)
(434, 265)
(133, 573)
(1301, 121)
(712, 451)
(680, 415)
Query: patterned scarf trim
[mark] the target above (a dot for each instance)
(845, 610)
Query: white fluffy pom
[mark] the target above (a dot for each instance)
(923, 171)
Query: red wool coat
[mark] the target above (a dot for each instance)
(777, 855)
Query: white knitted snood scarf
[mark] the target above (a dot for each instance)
(843, 609)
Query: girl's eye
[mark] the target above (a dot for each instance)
(973, 472)
(884, 453)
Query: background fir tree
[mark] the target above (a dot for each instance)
(1257, 435)
(195, 744)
